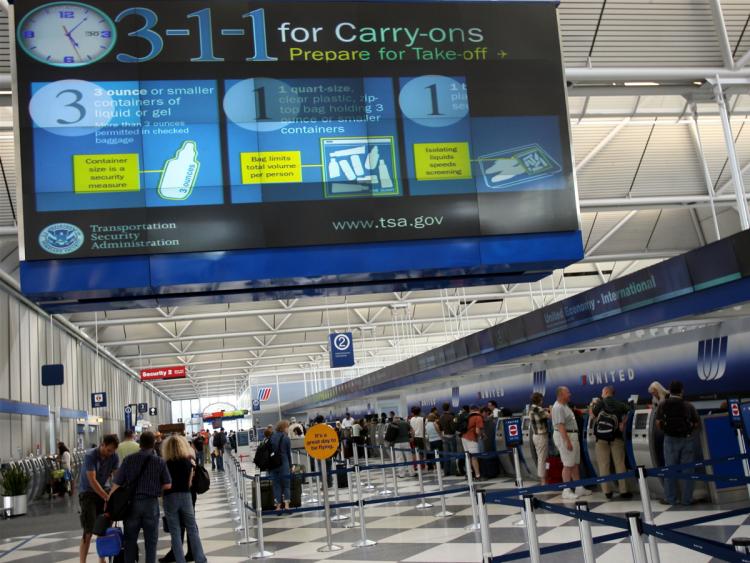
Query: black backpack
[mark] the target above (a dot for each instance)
(266, 458)
(462, 422)
(606, 426)
(675, 418)
(120, 501)
(391, 433)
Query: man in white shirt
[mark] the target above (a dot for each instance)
(565, 438)
(417, 431)
(348, 421)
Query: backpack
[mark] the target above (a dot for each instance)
(266, 457)
(201, 480)
(462, 423)
(675, 418)
(391, 433)
(606, 426)
(447, 424)
(120, 501)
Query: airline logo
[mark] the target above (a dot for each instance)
(540, 381)
(712, 358)
(264, 393)
(608, 377)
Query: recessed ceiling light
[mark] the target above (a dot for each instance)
(642, 84)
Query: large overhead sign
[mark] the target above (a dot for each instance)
(169, 127)
(174, 372)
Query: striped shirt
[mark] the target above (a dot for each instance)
(155, 474)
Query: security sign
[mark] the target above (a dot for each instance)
(153, 411)
(98, 400)
(341, 349)
(142, 408)
(256, 404)
(512, 431)
(735, 415)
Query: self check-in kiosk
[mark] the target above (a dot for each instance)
(528, 451)
(528, 467)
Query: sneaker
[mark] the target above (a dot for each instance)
(569, 494)
(582, 492)
(626, 496)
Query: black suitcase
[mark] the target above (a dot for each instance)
(266, 494)
(341, 478)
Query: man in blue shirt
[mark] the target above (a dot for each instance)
(98, 466)
(148, 474)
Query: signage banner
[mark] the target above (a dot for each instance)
(98, 400)
(512, 432)
(153, 411)
(256, 405)
(341, 349)
(129, 425)
(174, 372)
(142, 408)
(735, 414)
(146, 123)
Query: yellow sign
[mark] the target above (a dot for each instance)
(442, 161)
(321, 441)
(105, 173)
(271, 167)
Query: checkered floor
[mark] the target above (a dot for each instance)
(403, 532)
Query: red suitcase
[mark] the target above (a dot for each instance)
(554, 470)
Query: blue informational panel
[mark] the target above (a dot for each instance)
(735, 413)
(161, 128)
(98, 400)
(512, 432)
(256, 405)
(129, 424)
(142, 408)
(341, 349)
(53, 374)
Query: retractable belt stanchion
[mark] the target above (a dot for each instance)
(261, 553)
(743, 451)
(314, 483)
(423, 504)
(531, 531)
(636, 540)
(352, 518)
(369, 486)
(237, 476)
(243, 504)
(234, 468)
(648, 516)
(519, 480)
(385, 491)
(363, 541)
(393, 472)
(484, 526)
(472, 495)
(330, 546)
(584, 526)
(337, 517)
(741, 545)
(444, 513)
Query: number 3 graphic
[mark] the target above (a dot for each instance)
(75, 105)
(150, 19)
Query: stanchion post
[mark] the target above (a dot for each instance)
(243, 499)
(519, 481)
(393, 472)
(261, 553)
(484, 526)
(385, 491)
(741, 545)
(444, 512)
(636, 539)
(330, 546)
(584, 526)
(369, 486)
(531, 532)
(352, 517)
(314, 483)
(423, 502)
(648, 515)
(237, 472)
(363, 541)
(474, 512)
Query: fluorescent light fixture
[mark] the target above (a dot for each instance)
(642, 84)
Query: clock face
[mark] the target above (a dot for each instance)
(66, 34)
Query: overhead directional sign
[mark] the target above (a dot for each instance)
(142, 408)
(153, 411)
(173, 372)
(341, 349)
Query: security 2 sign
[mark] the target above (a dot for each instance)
(171, 372)
(512, 432)
(341, 349)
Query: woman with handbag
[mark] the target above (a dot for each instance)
(179, 501)
(282, 446)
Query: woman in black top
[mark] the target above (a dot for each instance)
(178, 501)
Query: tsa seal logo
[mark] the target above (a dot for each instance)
(61, 238)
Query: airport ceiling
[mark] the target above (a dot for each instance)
(654, 181)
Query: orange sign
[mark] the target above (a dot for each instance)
(321, 441)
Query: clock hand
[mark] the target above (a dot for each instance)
(76, 26)
(72, 41)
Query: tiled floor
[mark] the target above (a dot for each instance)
(403, 532)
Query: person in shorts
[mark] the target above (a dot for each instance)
(540, 434)
(98, 466)
(565, 437)
(470, 438)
